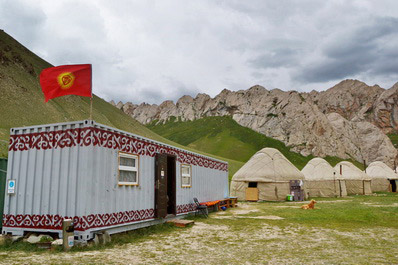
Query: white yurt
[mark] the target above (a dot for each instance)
(356, 181)
(322, 180)
(268, 174)
(383, 178)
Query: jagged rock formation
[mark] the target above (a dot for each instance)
(385, 110)
(356, 101)
(335, 122)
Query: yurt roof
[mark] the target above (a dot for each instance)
(350, 171)
(319, 169)
(378, 169)
(268, 165)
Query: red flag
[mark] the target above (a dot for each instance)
(66, 80)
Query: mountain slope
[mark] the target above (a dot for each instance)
(222, 136)
(22, 102)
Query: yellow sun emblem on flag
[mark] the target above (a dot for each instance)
(65, 80)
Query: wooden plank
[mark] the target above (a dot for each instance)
(181, 222)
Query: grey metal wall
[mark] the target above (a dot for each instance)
(104, 195)
(47, 181)
(207, 185)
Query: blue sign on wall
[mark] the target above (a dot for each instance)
(11, 186)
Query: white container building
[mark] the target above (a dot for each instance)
(102, 178)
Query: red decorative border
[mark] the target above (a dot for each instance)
(83, 223)
(54, 222)
(185, 208)
(91, 136)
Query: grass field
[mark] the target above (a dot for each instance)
(352, 230)
(224, 137)
(394, 139)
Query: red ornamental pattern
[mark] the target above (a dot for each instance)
(54, 222)
(185, 208)
(91, 136)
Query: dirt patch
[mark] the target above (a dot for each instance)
(380, 205)
(241, 212)
(333, 201)
(246, 205)
(224, 217)
(389, 205)
(269, 217)
(199, 227)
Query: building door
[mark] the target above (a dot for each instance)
(161, 185)
(171, 185)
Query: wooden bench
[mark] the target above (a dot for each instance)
(228, 203)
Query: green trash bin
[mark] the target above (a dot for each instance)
(289, 197)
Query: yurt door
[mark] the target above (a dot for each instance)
(343, 189)
(252, 192)
(367, 189)
(160, 185)
(393, 186)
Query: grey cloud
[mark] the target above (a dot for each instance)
(353, 53)
(156, 50)
(25, 21)
(171, 90)
(331, 70)
(280, 57)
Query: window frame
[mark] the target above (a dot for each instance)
(127, 168)
(190, 176)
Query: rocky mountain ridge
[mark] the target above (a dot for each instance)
(347, 120)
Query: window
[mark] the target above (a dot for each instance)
(186, 176)
(128, 169)
(252, 184)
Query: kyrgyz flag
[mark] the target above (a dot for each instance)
(66, 80)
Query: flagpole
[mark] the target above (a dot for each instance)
(91, 98)
(91, 107)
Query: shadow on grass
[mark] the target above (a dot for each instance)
(133, 236)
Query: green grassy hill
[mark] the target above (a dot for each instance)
(22, 101)
(222, 136)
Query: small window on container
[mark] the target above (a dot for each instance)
(128, 169)
(186, 176)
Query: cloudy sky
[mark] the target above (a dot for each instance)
(150, 51)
